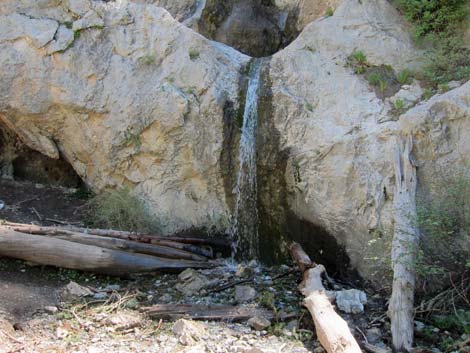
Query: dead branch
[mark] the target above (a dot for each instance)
(204, 312)
(332, 331)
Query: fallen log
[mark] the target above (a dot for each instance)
(72, 255)
(112, 234)
(186, 247)
(173, 242)
(204, 312)
(332, 331)
(127, 245)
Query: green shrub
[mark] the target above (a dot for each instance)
(374, 78)
(404, 77)
(383, 85)
(119, 209)
(148, 59)
(399, 104)
(439, 23)
(329, 12)
(193, 54)
(358, 61)
(443, 217)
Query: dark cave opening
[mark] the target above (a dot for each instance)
(21, 163)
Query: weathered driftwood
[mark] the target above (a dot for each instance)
(404, 246)
(114, 234)
(132, 246)
(204, 312)
(63, 253)
(332, 331)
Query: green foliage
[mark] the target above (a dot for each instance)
(434, 17)
(378, 79)
(119, 209)
(459, 321)
(358, 61)
(329, 12)
(399, 104)
(428, 93)
(374, 78)
(267, 300)
(132, 139)
(193, 54)
(443, 217)
(439, 23)
(383, 85)
(148, 59)
(404, 77)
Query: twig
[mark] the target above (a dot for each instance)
(37, 213)
(10, 337)
(17, 204)
(230, 285)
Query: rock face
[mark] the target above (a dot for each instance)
(338, 137)
(129, 96)
(137, 99)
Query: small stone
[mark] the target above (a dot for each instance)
(244, 294)
(51, 309)
(292, 325)
(191, 282)
(73, 291)
(100, 296)
(89, 20)
(124, 320)
(351, 301)
(419, 326)
(373, 335)
(188, 332)
(244, 271)
(112, 288)
(259, 323)
(165, 298)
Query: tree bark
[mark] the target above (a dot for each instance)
(62, 253)
(332, 331)
(404, 247)
(113, 234)
(132, 246)
(204, 312)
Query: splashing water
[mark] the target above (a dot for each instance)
(244, 228)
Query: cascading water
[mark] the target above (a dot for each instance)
(244, 230)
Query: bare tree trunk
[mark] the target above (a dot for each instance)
(62, 253)
(332, 331)
(404, 247)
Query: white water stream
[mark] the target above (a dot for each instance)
(244, 230)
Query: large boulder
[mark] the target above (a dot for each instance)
(136, 99)
(339, 136)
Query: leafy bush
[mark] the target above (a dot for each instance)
(148, 59)
(444, 221)
(329, 12)
(193, 54)
(439, 23)
(358, 61)
(119, 209)
(399, 104)
(404, 77)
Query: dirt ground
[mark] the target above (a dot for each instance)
(36, 315)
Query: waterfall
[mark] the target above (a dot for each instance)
(244, 230)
